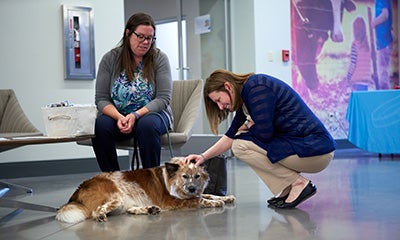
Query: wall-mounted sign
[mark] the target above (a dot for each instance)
(202, 24)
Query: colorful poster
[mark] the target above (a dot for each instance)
(341, 46)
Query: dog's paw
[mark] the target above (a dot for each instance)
(102, 217)
(229, 199)
(153, 210)
(226, 199)
(207, 203)
(208, 196)
(218, 203)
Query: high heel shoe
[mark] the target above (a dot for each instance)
(307, 192)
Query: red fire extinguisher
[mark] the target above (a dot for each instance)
(77, 43)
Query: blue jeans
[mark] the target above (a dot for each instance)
(148, 131)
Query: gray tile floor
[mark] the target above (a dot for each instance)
(358, 197)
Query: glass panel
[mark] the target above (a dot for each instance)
(167, 40)
(206, 50)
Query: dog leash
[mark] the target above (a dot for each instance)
(135, 157)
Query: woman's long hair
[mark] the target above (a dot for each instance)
(215, 82)
(360, 33)
(127, 60)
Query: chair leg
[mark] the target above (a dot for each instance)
(23, 205)
(130, 156)
(132, 162)
(4, 191)
(9, 203)
(8, 184)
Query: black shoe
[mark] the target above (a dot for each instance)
(275, 200)
(307, 192)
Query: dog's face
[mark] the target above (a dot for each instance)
(186, 180)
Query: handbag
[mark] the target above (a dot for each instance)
(216, 168)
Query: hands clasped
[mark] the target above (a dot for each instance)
(125, 124)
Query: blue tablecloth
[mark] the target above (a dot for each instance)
(374, 120)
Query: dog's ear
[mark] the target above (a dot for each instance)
(203, 166)
(171, 168)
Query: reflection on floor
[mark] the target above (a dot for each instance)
(358, 196)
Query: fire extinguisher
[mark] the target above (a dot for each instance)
(77, 43)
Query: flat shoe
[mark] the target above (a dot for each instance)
(275, 200)
(307, 192)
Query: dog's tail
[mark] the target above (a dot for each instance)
(72, 212)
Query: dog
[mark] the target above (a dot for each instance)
(175, 185)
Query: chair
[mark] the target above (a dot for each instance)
(13, 121)
(14, 124)
(185, 104)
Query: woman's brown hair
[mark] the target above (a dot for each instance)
(360, 32)
(215, 82)
(126, 60)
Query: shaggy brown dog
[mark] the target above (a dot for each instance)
(144, 191)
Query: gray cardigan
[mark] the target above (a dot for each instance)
(108, 72)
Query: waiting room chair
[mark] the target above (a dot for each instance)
(185, 104)
(13, 121)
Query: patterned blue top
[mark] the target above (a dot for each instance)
(129, 96)
(284, 124)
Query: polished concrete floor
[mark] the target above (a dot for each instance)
(358, 198)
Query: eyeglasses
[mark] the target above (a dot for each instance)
(141, 38)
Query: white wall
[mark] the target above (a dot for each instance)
(242, 32)
(260, 30)
(32, 63)
(272, 35)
